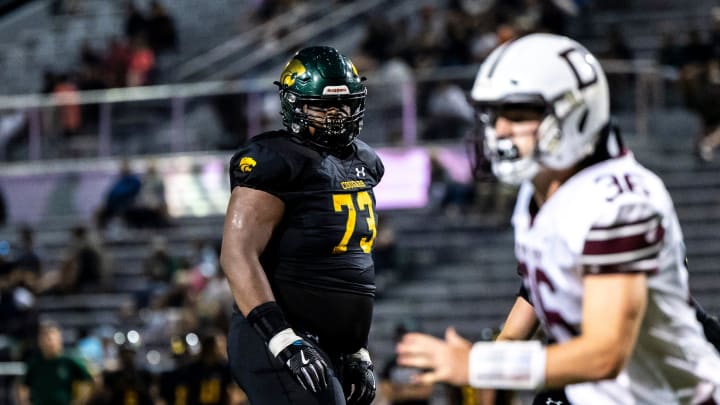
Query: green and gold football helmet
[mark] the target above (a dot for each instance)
(319, 78)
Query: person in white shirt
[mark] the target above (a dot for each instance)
(598, 245)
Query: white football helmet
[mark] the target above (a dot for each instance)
(542, 70)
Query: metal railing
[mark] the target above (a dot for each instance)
(398, 105)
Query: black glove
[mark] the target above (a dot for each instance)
(300, 358)
(305, 363)
(358, 378)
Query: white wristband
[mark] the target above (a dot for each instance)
(507, 365)
(362, 355)
(281, 340)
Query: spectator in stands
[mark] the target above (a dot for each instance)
(426, 39)
(696, 51)
(130, 384)
(116, 62)
(205, 380)
(17, 299)
(89, 347)
(161, 31)
(82, 268)
(160, 265)
(213, 302)
(140, 64)
(670, 54)
(121, 195)
(25, 257)
(149, 209)
(459, 27)
(160, 268)
(65, 91)
(135, 21)
(617, 45)
(53, 378)
(19, 282)
(707, 91)
(88, 55)
(598, 245)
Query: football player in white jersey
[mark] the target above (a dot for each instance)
(598, 244)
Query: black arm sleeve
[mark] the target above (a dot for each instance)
(523, 292)
(710, 324)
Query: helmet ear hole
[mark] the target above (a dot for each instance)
(582, 120)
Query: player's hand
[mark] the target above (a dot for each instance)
(445, 360)
(306, 364)
(358, 378)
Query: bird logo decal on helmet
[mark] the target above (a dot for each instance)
(292, 70)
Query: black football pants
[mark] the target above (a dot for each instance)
(264, 379)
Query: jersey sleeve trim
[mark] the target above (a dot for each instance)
(623, 248)
(641, 266)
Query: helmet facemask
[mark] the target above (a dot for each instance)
(336, 120)
(508, 163)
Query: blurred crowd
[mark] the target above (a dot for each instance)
(127, 61)
(696, 65)
(174, 320)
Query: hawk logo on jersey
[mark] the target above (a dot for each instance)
(247, 164)
(293, 69)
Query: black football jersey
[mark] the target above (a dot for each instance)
(326, 236)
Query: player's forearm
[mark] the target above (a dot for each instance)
(521, 322)
(613, 309)
(247, 280)
(583, 359)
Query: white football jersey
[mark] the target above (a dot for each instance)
(617, 217)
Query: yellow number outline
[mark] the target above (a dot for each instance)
(364, 202)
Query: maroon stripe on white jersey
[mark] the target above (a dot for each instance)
(601, 233)
(626, 244)
(649, 266)
(620, 246)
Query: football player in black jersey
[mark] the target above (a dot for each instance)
(297, 242)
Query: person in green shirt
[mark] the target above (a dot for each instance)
(53, 378)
